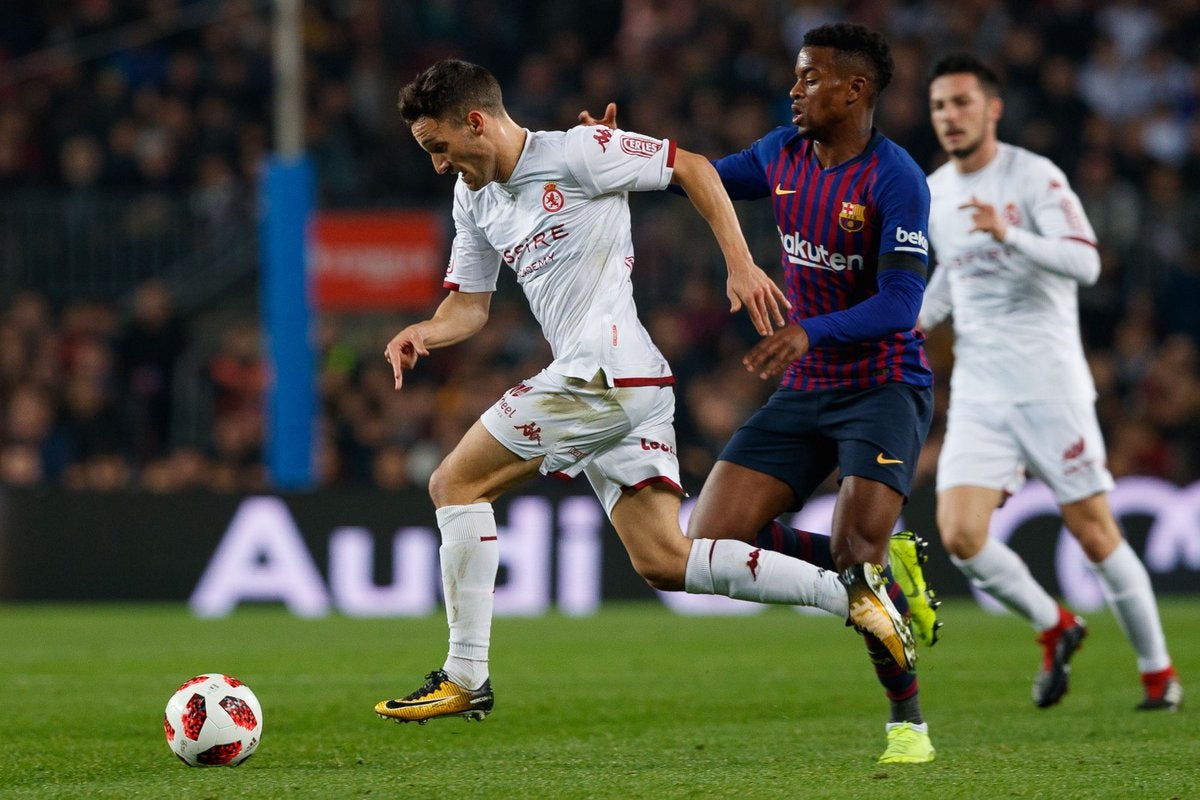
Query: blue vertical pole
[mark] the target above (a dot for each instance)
(287, 202)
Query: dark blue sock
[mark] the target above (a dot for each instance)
(900, 685)
(804, 545)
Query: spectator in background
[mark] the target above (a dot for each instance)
(147, 350)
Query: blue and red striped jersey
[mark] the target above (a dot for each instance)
(834, 225)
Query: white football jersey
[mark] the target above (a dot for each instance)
(1016, 322)
(561, 223)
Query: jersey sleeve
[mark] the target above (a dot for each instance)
(902, 197)
(1061, 239)
(1057, 210)
(606, 160)
(937, 304)
(744, 174)
(474, 263)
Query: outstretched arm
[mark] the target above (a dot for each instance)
(460, 316)
(747, 284)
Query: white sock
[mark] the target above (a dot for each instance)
(1000, 572)
(923, 727)
(470, 556)
(1126, 587)
(742, 571)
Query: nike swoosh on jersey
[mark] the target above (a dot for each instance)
(780, 190)
(880, 459)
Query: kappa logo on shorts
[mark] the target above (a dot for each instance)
(1075, 450)
(882, 459)
(530, 430)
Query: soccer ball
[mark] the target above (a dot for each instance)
(213, 720)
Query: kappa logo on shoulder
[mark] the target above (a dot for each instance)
(603, 136)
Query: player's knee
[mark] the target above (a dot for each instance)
(960, 541)
(441, 486)
(1097, 538)
(661, 573)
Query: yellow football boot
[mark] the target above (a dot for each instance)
(439, 697)
(907, 553)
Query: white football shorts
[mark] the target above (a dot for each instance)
(622, 438)
(993, 444)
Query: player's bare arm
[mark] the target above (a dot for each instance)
(984, 218)
(747, 284)
(771, 356)
(460, 316)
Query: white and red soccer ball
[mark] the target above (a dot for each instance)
(213, 720)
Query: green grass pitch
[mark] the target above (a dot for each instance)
(634, 702)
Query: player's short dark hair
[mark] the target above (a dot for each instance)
(856, 46)
(958, 63)
(450, 89)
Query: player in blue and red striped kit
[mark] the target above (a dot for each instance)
(852, 209)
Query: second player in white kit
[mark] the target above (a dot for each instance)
(1013, 245)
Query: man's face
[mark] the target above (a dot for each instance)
(457, 148)
(962, 113)
(819, 94)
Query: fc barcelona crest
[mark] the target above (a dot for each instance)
(852, 217)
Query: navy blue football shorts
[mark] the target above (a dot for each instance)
(800, 437)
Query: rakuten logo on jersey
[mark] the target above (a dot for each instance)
(917, 238)
(804, 253)
(536, 242)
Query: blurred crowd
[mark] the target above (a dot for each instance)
(173, 96)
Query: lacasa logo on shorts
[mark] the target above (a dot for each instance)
(536, 242)
(649, 445)
(639, 146)
(916, 238)
(804, 253)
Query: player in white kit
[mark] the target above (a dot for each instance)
(1013, 245)
(553, 208)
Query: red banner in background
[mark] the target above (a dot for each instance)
(377, 260)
